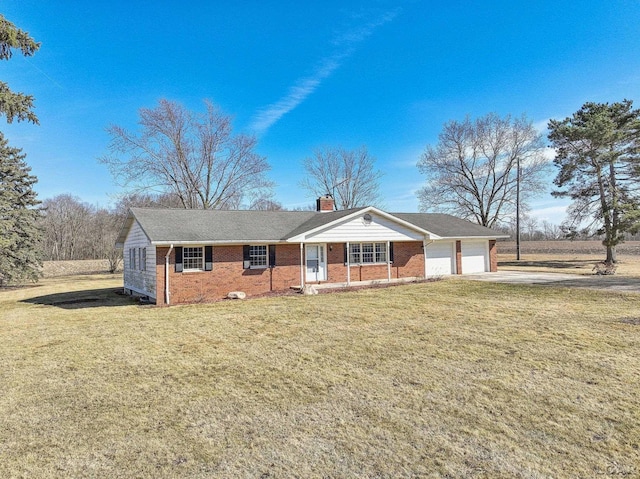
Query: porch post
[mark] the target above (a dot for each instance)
(348, 265)
(388, 264)
(301, 265)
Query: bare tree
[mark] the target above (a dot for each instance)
(349, 175)
(196, 157)
(73, 229)
(551, 231)
(144, 200)
(65, 225)
(472, 170)
(105, 227)
(266, 204)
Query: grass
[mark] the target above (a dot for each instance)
(578, 263)
(445, 379)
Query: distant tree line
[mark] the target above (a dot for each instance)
(532, 229)
(73, 229)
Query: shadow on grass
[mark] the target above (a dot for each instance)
(554, 264)
(90, 298)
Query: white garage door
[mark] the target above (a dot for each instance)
(474, 257)
(440, 259)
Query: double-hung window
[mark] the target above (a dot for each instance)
(258, 256)
(142, 263)
(193, 258)
(367, 253)
(381, 253)
(132, 259)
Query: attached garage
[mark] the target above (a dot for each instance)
(441, 258)
(475, 256)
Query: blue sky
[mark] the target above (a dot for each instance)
(303, 75)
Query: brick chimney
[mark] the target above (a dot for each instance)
(325, 203)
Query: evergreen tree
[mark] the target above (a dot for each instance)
(15, 105)
(598, 154)
(19, 234)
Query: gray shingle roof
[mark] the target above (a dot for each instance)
(446, 226)
(179, 225)
(319, 219)
(219, 226)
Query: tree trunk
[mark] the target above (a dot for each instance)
(612, 256)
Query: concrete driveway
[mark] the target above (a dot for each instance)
(607, 283)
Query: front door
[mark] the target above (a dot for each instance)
(316, 262)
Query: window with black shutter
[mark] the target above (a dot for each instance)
(208, 258)
(178, 259)
(272, 256)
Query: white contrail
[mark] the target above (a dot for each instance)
(305, 86)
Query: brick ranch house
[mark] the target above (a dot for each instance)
(175, 256)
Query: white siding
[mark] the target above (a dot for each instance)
(142, 282)
(355, 229)
(475, 256)
(441, 258)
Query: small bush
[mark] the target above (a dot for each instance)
(604, 268)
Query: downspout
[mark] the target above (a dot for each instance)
(301, 266)
(348, 265)
(166, 275)
(424, 249)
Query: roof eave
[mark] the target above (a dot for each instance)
(300, 238)
(474, 237)
(216, 242)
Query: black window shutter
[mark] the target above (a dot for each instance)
(178, 259)
(346, 254)
(246, 257)
(391, 251)
(208, 258)
(272, 255)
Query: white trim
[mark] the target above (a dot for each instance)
(472, 237)
(301, 240)
(219, 242)
(390, 217)
(166, 275)
(193, 270)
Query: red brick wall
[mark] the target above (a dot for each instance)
(493, 256)
(227, 275)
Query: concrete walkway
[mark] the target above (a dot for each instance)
(606, 283)
(355, 284)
